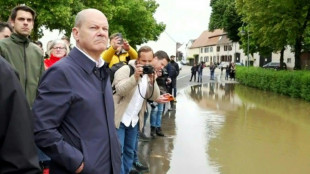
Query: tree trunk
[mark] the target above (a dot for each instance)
(282, 58)
(297, 53)
(298, 42)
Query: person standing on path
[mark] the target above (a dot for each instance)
(228, 69)
(173, 71)
(194, 72)
(212, 69)
(200, 70)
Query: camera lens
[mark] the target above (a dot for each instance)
(148, 69)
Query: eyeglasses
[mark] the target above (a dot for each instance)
(59, 48)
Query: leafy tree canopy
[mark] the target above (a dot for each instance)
(134, 19)
(224, 16)
(277, 23)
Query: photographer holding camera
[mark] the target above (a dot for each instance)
(119, 51)
(130, 99)
(158, 105)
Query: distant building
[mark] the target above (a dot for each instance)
(216, 47)
(190, 53)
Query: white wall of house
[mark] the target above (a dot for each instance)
(191, 52)
(182, 49)
(187, 49)
(289, 57)
(243, 55)
(207, 54)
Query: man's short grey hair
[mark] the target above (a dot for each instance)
(78, 19)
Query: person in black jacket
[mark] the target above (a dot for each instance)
(18, 153)
(158, 107)
(173, 71)
(194, 72)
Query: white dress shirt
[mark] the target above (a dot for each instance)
(135, 105)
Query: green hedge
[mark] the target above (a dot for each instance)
(291, 83)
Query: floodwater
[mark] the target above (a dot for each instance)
(231, 129)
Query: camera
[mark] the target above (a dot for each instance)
(148, 69)
(120, 36)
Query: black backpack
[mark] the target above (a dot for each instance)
(117, 66)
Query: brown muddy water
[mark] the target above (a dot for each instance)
(231, 129)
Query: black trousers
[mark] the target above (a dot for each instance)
(193, 74)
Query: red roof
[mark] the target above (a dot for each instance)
(208, 38)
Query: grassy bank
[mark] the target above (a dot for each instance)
(291, 83)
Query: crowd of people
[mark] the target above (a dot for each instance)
(230, 71)
(56, 111)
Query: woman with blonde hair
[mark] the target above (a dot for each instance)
(57, 50)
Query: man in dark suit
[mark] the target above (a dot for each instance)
(17, 148)
(74, 111)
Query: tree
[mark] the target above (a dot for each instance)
(134, 19)
(276, 24)
(224, 15)
(51, 14)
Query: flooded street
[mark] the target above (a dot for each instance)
(221, 128)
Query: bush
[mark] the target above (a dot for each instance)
(291, 83)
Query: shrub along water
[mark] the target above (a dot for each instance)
(291, 83)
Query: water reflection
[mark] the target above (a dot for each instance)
(246, 130)
(214, 96)
(157, 153)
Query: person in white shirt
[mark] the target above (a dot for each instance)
(130, 100)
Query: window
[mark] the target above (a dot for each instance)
(211, 49)
(201, 50)
(225, 48)
(289, 60)
(229, 48)
(218, 48)
(207, 59)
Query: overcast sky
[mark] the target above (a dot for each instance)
(184, 19)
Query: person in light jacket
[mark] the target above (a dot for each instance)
(130, 99)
